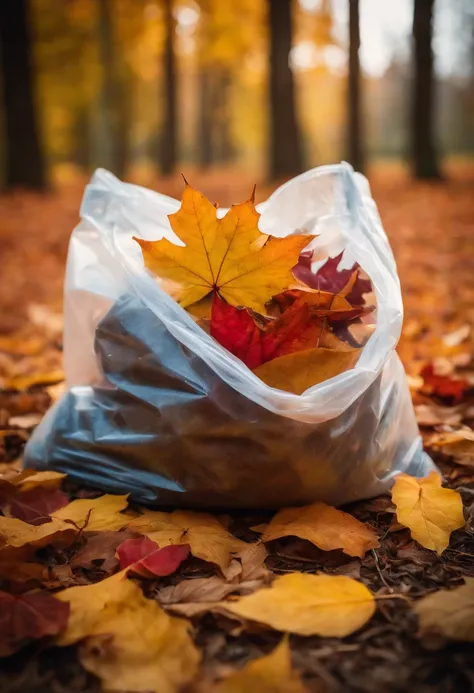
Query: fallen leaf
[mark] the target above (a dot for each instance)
(430, 511)
(144, 557)
(443, 386)
(227, 255)
(207, 538)
(448, 613)
(30, 479)
(270, 674)
(330, 278)
(132, 644)
(301, 370)
(18, 538)
(24, 382)
(324, 526)
(252, 557)
(96, 514)
(99, 552)
(29, 617)
(434, 415)
(458, 444)
(211, 590)
(326, 605)
(35, 505)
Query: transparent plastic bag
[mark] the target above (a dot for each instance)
(156, 407)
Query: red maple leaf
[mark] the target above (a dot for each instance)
(443, 386)
(148, 560)
(329, 278)
(34, 506)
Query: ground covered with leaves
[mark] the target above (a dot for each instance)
(148, 576)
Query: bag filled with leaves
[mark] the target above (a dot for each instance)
(232, 358)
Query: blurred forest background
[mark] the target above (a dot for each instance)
(270, 87)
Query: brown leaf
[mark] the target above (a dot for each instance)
(99, 551)
(448, 613)
(34, 506)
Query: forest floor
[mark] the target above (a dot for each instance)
(431, 229)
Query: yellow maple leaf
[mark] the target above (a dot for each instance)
(326, 605)
(448, 613)
(19, 539)
(30, 479)
(97, 514)
(131, 643)
(206, 536)
(324, 526)
(228, 255)
(271, 674)
(430, 511)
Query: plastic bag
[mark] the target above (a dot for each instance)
(157, 408)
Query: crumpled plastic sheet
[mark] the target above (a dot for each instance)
(158, 409)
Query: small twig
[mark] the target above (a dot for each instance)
(379, 571)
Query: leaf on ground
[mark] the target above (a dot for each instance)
(270, 674)
(330, 278)
(23, 382)
(252, 558)
(206, 536)
(99, 552)
(326, 605)
(324, 526)
(29, 479)
(210, 590)
(448, 614)
(443, 386)
(29, 617)
(229, 255)
(301, 370)
(131, 643)
(20, 539)
(456, 444)
(96, 514)
(145, 558)
(35, 505)
(430, 511)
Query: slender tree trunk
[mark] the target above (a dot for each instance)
(170, 130)
(106, 144)
(205, 153)
(355, 136)
(224, 144)
(423, 149)
(24, 156)
(286, 155)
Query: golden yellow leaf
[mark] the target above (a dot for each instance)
(448, 613)
(230, 255)
(457, 444)
(324, 526)
(131, 643)
(326, 605)
(96, 515)
(301, 370)
(430, 511)
(18, 538)
(206, 536)
(23, 382)
(271, 674)
(29, 479)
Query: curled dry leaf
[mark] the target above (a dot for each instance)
(430, 511)
(229, 255)
(458, 444)
(131, 643)
(448, 614)
(20, 539)
(99, 552)
(96, 514)
(144, 557)
(29, 617)
(203, 590)
(326, 605)
(324, 526)
(270, 674)
(207, 538)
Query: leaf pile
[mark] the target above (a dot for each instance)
(242, 286)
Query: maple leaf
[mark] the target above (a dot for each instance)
(328, 605)
(34, 505)
(430, 511)
(206, 536)
(20, 539)
(144, 557)
(131, 643)
(270, 674)
(96, 514)
(457, 444)
(29, 617)
(443, 386)
(99, 551)
(329, 278)
(229, 256)
(448, 613)
(324, 526)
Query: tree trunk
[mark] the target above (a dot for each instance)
(204, 121)
(355, 137)
(224, 145)
(285, 156)
(169, 131)
(423, 149)
(24, 156)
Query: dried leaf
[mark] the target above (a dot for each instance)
(448, 613)
(430, 511)
(99, 552)
(329, 278)
(144, 557)
(18, 538)
(205, 535)
(210, 590)
(325, 527)
(443, 386)
(24, 382)
(34, 506)
(271, 674)
(227, 255)
(326, 605)
(30, 479)
(301, 370)
(96, 514)
(458, 444)
(252, 557)
(29, 617)
(142, 648)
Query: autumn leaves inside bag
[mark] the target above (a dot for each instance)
(271, 380)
